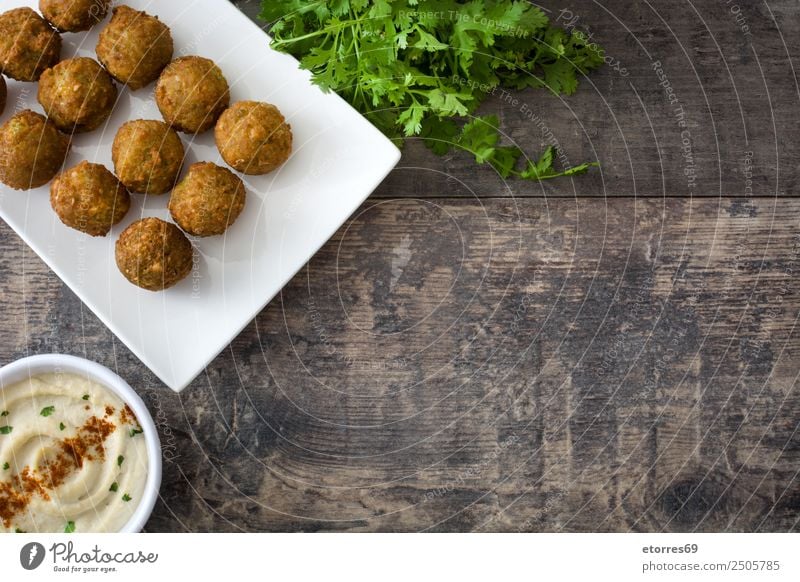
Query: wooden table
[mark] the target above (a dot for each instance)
(615, 352)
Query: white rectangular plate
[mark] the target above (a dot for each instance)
(338, 160)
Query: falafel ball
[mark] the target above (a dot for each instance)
(192, 93)
(208, 200)
(148, 156)
(77, 94)
(153, 254)
(28, 44)
(253, 137)
(134, 47)
(74, 15)
(3, 94)
(32, 150)
(89, 198)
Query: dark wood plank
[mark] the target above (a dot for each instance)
(738, 92)
(500, 365)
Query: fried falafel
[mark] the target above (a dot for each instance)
(74, 15)
(192, 93)
(3, 94)
(134, 47)
(32, 150)
(77, 94)
(89, 198)
(208, 200)
(253, 137)
(148, 156)
(28, 44)
(153, 254)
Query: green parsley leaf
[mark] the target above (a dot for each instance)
(120, 459)
(134, 431)
(126, 497)
(6, 466)
(6, 429)
(17, 530)
(4, 413)
(70, 527)
(422, 68)
(48, 410)
(114, 487)
(62, 426)
(86, 397)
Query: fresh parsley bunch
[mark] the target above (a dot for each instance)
(422, 67)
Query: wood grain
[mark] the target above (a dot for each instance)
(499, 365)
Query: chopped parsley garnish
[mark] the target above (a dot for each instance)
(62, 426)
(6, 429)
(6, 466)
(86, 397)
(17, 530)
(48, 410)
(4, 413)
(120, 459)
(135, 431)
(70, 527)
(126, 497)
(114, 487)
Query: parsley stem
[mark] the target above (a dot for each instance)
(323, 31)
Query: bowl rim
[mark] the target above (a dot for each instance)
(30, 366)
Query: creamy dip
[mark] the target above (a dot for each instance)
(72, 456)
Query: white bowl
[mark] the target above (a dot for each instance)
(49, 363)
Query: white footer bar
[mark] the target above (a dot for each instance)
(379, 557)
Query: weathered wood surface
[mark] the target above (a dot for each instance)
(495, 365)
(458, 358)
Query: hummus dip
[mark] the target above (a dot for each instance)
(72, 456)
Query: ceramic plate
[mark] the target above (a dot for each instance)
(338, 160)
